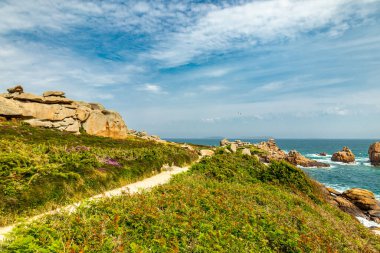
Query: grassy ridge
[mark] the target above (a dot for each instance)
(41, 169)
(227, 203)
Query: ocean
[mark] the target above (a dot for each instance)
(339, 176)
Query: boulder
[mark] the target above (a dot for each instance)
(46, 112)
(107, 125)
(28, 97)
(246, 151)
(345, 156)
(224, 142)
(374, 153)
(57, 100)
(348, 207)
(82, 113)
(322, 154)
(271, 151)
(362, 198)
(16, 89)
(333, 191)
(10, 108)
(206, 152)
(233, 147)
(53, 94)
(296, 158)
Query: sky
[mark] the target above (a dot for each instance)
(280, 68)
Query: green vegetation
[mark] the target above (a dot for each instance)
(227, 203)
(41, 169)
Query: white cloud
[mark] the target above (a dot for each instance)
(246, 25)
(212, 88)
(152, 88)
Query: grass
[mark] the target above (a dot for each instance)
(41, 169)
(227, 203)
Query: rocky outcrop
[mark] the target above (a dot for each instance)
(296, 158)
(374, 153)
(344, 156)
(362, 198)
(269, 151)
(54, 110)
(356, 202)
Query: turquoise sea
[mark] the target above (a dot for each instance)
(339, 176)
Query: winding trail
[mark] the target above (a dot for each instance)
(145, 184)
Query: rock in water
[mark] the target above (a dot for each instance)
(374, 153)
(295, 158)
(345, 156)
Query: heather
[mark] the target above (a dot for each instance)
(226, 203)
(41, 169)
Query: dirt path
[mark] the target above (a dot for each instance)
(148, 183)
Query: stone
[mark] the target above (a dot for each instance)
(344, 156)
(39, 123)
(73, 128)
(95, 106)
(57, 100)
(374, 153)
(224, 142)
(348, 207)
(246, 151)
(10, 108)
(362, 198)
(206, 152)
(110, 125)
(82, 113)
(28, 97)
(46, 112)
(296, 158)
(15, 89)
(322, 154)
(333, 191)
(53, 94)
(233, 147)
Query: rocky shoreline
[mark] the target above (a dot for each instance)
(359, 203)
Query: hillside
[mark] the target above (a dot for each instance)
(41, 169)
(226, 203)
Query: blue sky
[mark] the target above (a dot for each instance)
(282, 68)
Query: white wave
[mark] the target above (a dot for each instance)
(318, 156)
(368, 223)
(315, 167)
(368, 164)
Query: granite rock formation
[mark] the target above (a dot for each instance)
(54, 110)
(344, 156)
(374, 153)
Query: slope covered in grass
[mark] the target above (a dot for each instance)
(227, 203)
(42, 168)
